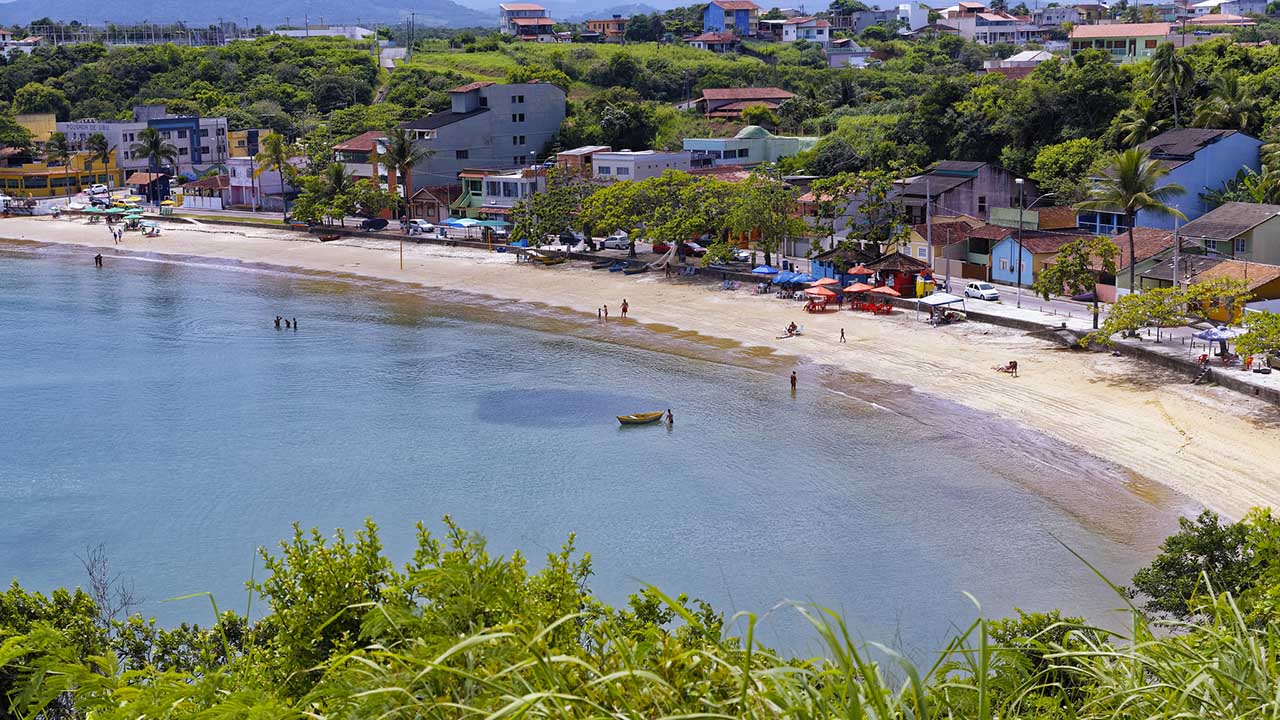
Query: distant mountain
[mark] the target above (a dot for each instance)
(438, 13)
(577, 12)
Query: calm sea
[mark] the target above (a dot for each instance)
(153, 407)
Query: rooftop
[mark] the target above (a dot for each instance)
(1040, 243)
(1147, 242)
(441, 119)
(585, 150)
(1253, 275)
(1222, 19)
(1230, 220)
(735, 4)
(521, 6)
(1191, 264)
(532, 22)
(364, 142)
(471, 86)
(751, 93)
(715, 37)
(1119, 30)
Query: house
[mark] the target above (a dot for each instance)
(1240, 231)
(1030, 253)
(244, 143)
(578, 160)
(1019, 65)
(1223, 19)
(898, 271)
(40, 179)
(730, 102)
(932, 30)
(944, 237)
(850, 54)
(1198, 159)
(717, 42)
(470, 197)
(613, 29)
(487, 126)
(502, 190)
(524, 19)
(267, 191)
(1151, 247)
(1091, 13)
(751, 146)
(637, 165)
(739, 17)
(1126, 42)
(1261, 281)
(207, 193)
(201, 141)
(810, 29)
(990, 28)
(150, 185)
(432, 203)
(360, 154)
(963, 9)
(1055, 17)
(1228, 7)
(350, 32)
(1163, 274)
(958, 187)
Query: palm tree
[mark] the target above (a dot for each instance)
(401, 154)
(273, 154)
(1129, 186)
(1229, 105)
(99, 151)
(152, 146)
(334, 181)
(58, 151)
(1139, 122)
(1171, 71)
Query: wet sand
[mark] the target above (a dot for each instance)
(1219, 449)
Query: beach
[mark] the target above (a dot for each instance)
(1216, 447)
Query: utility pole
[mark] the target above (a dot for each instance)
(1021, 207)
(1177, 278)
(928, 227)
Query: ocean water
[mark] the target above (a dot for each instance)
(153, 407)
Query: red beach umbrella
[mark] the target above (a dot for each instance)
(859, 288)
(825, 281)
(819, 292)
(886, 290)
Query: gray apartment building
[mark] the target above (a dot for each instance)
(201, 141)
(488, 126)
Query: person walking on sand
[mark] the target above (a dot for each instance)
(793, 381)
(841, 334)
(624, 307)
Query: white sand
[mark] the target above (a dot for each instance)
(1217, 447)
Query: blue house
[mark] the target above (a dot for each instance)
(1037, 250)
(735, 16)
(1200, 160)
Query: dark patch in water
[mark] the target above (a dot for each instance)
(551, 409)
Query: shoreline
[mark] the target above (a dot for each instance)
(1205, 443)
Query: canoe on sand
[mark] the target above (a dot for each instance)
(641, 418)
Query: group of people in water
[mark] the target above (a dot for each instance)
(287, 324)
(602, 313)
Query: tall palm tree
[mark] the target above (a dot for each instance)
(1171, 71)
(58, 151)
(157, 151)
(99, 152)
(273, 154)
(334, 181)
(401, 154)
(1138, 122)
(1130, 185)
(1229, 105)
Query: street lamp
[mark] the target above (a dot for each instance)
(1022, 207)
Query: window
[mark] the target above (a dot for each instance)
(517, 117)
(603, 169)
(922, 252)
(182, 151)
(517, 160)
(233, 172)
(222, 131)
(744, 152)
(461, 154)
(182, 134)
(624, 171)
(517, 139)
(1151, 44)
(1004, 264)
(982, 204)
(484, 101)
(492, 188)
(1241, 246)
(204, 132)
(431, 211)
(509, 189)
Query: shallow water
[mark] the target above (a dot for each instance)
(153, 407)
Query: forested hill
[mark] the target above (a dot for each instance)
(443, 13)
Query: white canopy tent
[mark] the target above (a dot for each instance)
(938, 300)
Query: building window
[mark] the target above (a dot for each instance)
(492, 188)
(982, 204)
(744, 152)
(166, 134)
(222, 131)
(624, 171)
(603, 169)
(517, 99)
(204, 132)
(509, 189)
(461, 154)
(182, 134)
(1151, 44)
(182, 151)
(1241, 246)
(431, 211)
(922, 252)
(517, 139)
(484, 101)
(1004, 264)
(517, 117)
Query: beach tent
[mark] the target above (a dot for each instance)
(764, 270)
(461, 222)
(802, 278)
(938, 300)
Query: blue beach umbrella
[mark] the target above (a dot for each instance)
(783, 277)
(462, 222)
(764, 270)
(802, 278)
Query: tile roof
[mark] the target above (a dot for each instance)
(715, 38)
(735, 4)
(1042, 243)
(213, 182)
(1254, 275)
(1193, 264)
(944, 233)
(1057, 217)
(1119, 30)
(1222, 19)
(441, 119)
(898, 262)
(1229, 220)
(364, 142)
(143, 178)
(1147, 242)
(471, 86)
(990, 232)
(1183, 142)
(521, 6)
(751, 93)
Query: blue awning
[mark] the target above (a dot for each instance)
(764, 270)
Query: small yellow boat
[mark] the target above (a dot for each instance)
(641, 418)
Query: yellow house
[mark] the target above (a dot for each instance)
(1262, 281)
(39, 179)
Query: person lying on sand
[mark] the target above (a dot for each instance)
(1011, 368)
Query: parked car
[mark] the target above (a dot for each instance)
(617, 242)
(741, 255)
(373, 224)
(982, 291)
(690, 248)
(418, 226)
(99, 189)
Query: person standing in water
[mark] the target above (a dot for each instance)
(97, 260)
(793, 381)
(278, 318)
(624, 307)
(295, 323)
(606, 313)
(671, 419)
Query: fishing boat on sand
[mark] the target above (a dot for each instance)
(641, 418)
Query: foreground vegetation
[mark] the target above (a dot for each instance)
(460, 633)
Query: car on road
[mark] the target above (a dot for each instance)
(99, 189)
(373, 224)
(619, 240)
(417, 226)
(982, 291)
(690, 248)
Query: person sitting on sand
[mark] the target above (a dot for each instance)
(792, 329)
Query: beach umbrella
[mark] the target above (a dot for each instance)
(462, 222)
(803, 278)
(783, 277)
(93, 210)
(885, 290)
(819, 292)
(859, 270)
(764, 270)
(116, 211)
(859, 288)
(1219, 334)
(167, 203)
(826, 281)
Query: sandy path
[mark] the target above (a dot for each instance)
(1219, 448)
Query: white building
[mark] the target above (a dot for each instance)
(638, 165)
(1229, 7)
(524, 19)
(267, 191)
(350, 32)
(201, 142)
(502, 190)
(807, 28)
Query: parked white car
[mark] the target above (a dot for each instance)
(618, 240)
(982, 291)
(418, 226)
(99, 189)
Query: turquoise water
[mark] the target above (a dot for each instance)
(154, 408)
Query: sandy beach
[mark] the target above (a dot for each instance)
(1220, 449)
